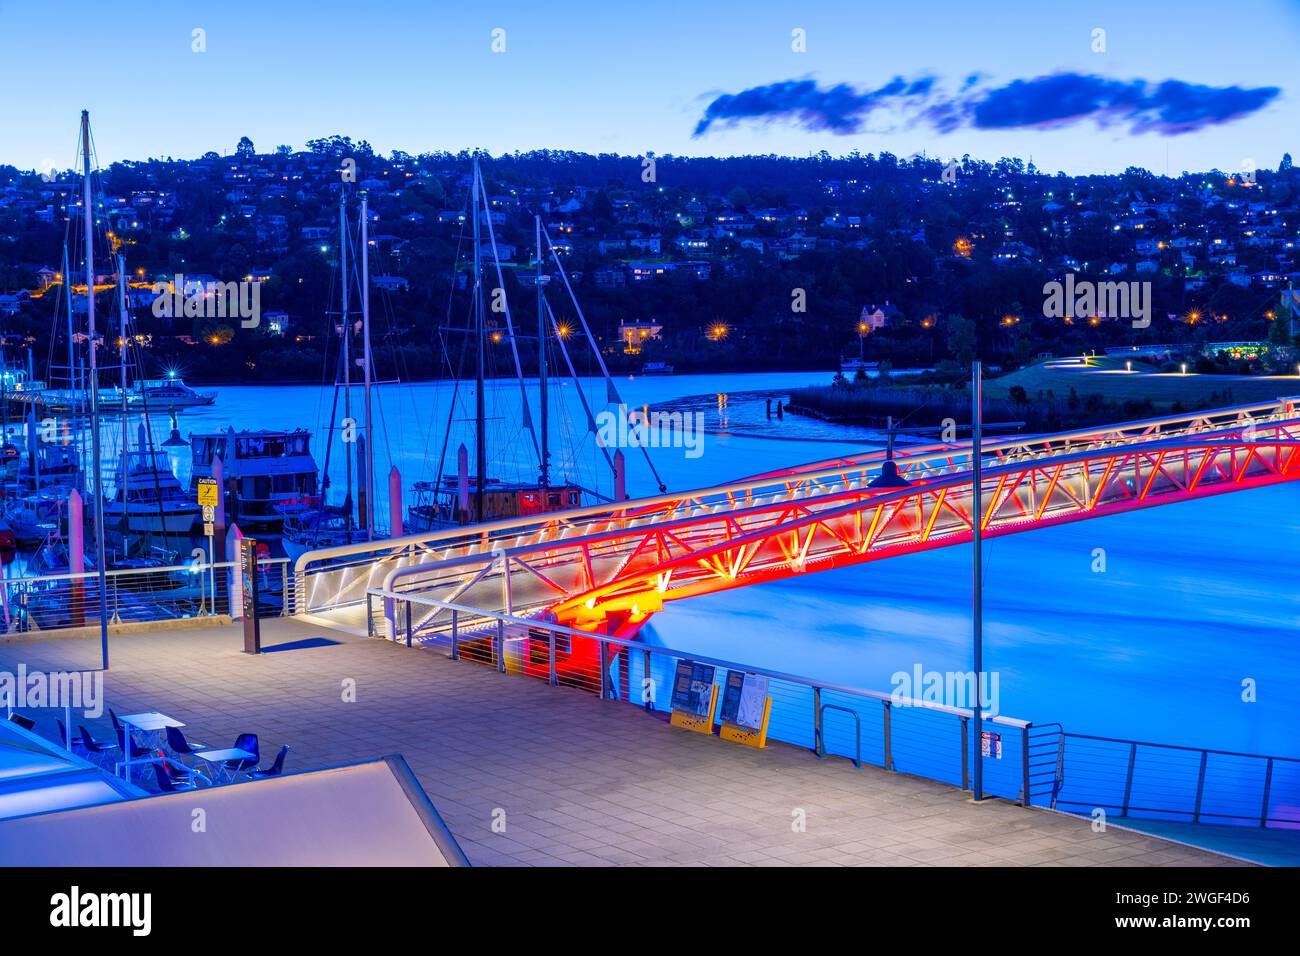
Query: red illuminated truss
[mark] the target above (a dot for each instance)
(609, 568)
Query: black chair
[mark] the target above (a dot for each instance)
(180, 776)
(91, 745)
(277, 766)
(244, 742)
(180, 746)
(72, 743)
(26, 723)
(169, 784)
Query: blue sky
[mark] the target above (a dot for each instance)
(620, 77)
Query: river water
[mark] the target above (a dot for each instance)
(1195, 600)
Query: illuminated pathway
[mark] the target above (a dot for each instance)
(576, 780)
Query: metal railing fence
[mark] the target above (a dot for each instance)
(55, 602)
(1131, 778)
(899, 734)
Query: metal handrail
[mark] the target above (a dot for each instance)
(1194, 808)
(1199, 750)
(857, 731)
(120, 572)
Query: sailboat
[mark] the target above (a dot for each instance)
(147, 499)
(469, 497)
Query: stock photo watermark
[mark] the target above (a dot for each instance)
(639, 428)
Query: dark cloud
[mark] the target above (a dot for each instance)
(1060, 99)
(839, 109)
(1170, 107)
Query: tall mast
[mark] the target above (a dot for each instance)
(74, 375)
(72, 351)
(544, 479)
(480, 411)
(121, 305)
(97, 488)
(347, 357)
(365, 338)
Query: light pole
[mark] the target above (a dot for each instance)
(977, 570)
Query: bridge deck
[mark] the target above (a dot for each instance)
(580, 781)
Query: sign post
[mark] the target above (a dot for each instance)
(248, 577)
(208, 493)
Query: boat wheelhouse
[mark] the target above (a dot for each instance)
(447, 505)
(264, 471)
(147, 498)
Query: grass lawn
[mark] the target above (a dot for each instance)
(1109, 377)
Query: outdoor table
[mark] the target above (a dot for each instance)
(148, 723)
(218, 758)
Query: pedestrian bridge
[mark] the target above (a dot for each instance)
(607, 569)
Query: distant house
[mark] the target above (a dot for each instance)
(634, 335)
(875, 317)
(277, 323)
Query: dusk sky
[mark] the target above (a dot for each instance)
(611, 77)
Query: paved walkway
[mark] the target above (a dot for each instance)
(572, 779)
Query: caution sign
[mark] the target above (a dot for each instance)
(209, 492)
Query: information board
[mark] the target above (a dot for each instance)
(693, 687)
(744, 698)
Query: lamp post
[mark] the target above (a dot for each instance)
(977, 570)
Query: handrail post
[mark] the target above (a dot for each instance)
(965, 752)
(1128, 778)
(1200, 787)
(501, 646)
(284, 590)
(889, 746)
(647, 683)
(817, 721)
(370, 615)
(604, 670)
(1024, 766)
(550, 667)
(408, 623)
(1268, 786)
(455, 635)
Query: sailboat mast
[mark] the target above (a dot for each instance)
(365, 339)
(121, 305)
(544, 479)
(72, 351)
(97, 489)
(480, 410)
(347, 357)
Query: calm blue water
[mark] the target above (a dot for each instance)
(1195, 598)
